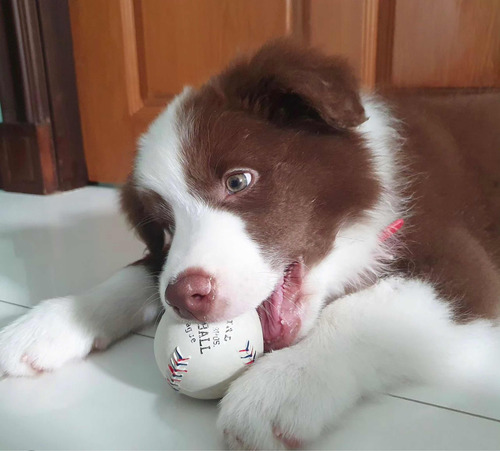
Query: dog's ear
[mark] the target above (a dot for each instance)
(140, 213)
(289, 84)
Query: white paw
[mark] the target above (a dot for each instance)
(277, 404)
(44, 339)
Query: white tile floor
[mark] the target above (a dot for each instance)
(51, 246)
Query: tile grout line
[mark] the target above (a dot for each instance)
(143, 335)
(445, 408)
(15, 305)
(30, 307)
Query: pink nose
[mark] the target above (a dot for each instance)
(192, 294)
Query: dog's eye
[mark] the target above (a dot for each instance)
(171, 229)
(238, 182)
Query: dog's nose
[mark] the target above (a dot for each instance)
(191, 295)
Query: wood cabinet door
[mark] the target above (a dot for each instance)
(132, 56)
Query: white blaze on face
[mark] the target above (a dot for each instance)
(213, 240)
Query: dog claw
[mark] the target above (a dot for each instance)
(289, 442)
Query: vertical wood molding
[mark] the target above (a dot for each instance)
(55, 30)
(48, 169)
(370, 28)
(385, 41)
(377, 42)
(31, 61)
(131, 63)
(11, 95)
(297, 20)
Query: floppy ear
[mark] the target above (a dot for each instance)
(142, 218)
(288, 84)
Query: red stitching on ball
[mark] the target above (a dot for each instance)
(178, 364)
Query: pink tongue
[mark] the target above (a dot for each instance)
(271, 326)
(279, 314)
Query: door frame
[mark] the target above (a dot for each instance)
(41, 148)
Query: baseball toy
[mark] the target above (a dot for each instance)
(201, 359)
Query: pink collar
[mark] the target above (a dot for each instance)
(391, 229)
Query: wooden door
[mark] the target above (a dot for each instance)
(132, 56)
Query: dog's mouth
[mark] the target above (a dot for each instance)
(280, 313)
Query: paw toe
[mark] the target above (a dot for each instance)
(288, 440)
(101, 343)
(32, 364)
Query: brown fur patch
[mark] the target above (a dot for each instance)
(150, 216)
(314, 174)
(293, 86)
(453, 238)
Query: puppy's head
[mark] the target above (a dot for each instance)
(244, 183)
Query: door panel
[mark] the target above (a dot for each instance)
(447, 43)
(185, 42)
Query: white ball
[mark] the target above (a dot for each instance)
(201, 360)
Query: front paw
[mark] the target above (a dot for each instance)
(277, 404)
(44, 339)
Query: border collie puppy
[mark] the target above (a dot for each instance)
(365, 230)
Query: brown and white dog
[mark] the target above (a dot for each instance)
(278, 186)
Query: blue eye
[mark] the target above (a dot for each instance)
(238, 182)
